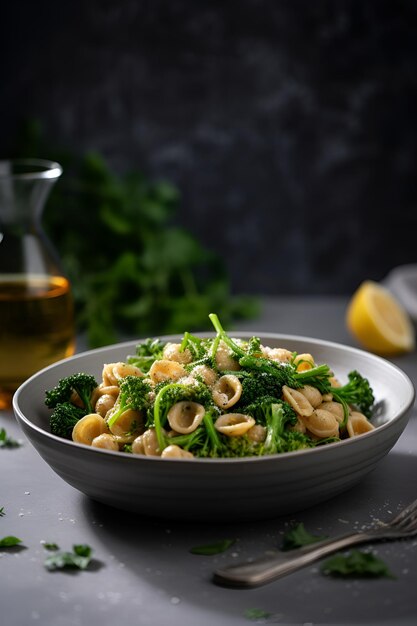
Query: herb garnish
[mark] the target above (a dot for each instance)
(79, 558)
(6, 441)
(356, 564)
(298, 536)
(9, 541)
(50, 546)
(255, 614)
(2, 511)
(213, 548)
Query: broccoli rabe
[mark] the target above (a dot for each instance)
(214, 444)
(356, 392)
(146, 354)
(133, 394)
(256, 385)
(169, 394)
(284, 373)
(274, 416)
(63, 419)
(80, 383)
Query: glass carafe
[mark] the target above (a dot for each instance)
(36, 307)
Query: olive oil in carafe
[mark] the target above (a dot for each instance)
(36, 326)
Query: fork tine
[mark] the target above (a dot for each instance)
(404, 515)
(408, 523)
(408, 528)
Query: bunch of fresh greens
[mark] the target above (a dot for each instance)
(133, 269)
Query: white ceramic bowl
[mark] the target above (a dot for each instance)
(221, 489)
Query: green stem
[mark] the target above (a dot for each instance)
(211, 431)
(224, 337)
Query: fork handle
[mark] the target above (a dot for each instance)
(267, 569)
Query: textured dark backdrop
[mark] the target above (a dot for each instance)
(290, 127)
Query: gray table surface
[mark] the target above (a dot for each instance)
(143, 572)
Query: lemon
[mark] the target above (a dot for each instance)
(378, 320)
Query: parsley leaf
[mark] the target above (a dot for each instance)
(50, 546)
(255, 614)
(9, 541)
(298, 536)
(213, 548)
(6, 441)
(356, 564)
(79, 558)
(2, 511)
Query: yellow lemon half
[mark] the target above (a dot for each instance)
(378, 321)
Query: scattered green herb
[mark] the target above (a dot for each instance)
(148, 274)
(6, 441)
(298, 536)
(9, 541)
(356, 564)
(50, 546)
(213, 548)
(79, 558)
(255, 614)
(2, 511)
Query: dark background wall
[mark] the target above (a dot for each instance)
(290, 127)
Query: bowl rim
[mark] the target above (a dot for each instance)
(131, 344)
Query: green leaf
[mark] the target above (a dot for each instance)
(356, 564)
(213, 548)
(9, 541)
(2, 511)
(298, 536)
(6, 441)
(78, 559)
(50, 546)
(255, 614)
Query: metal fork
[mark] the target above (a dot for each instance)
(267, 569)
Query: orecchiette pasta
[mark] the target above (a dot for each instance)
(175, 452)
(184, 417)
(89, 427)
(358, 424)
(114, 372)
(130, 421)
(213, 397)
(227, 391)
(173, 352)
(334, 407)
(303, 362)
(224, 359)
(106, 442)
(277, 354)
(297, 400)
(312, 394)
(166, 370)
(322, 423)
(104, 404)
(207, 374)
(234, 424)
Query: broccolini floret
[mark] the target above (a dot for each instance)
(356, 392)
(63, 419)
(133, 394)
(284, 373)
(171, 393)
(80, 383)
(276, 417)
(256, 385)
(213, 444)
(146, 354)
